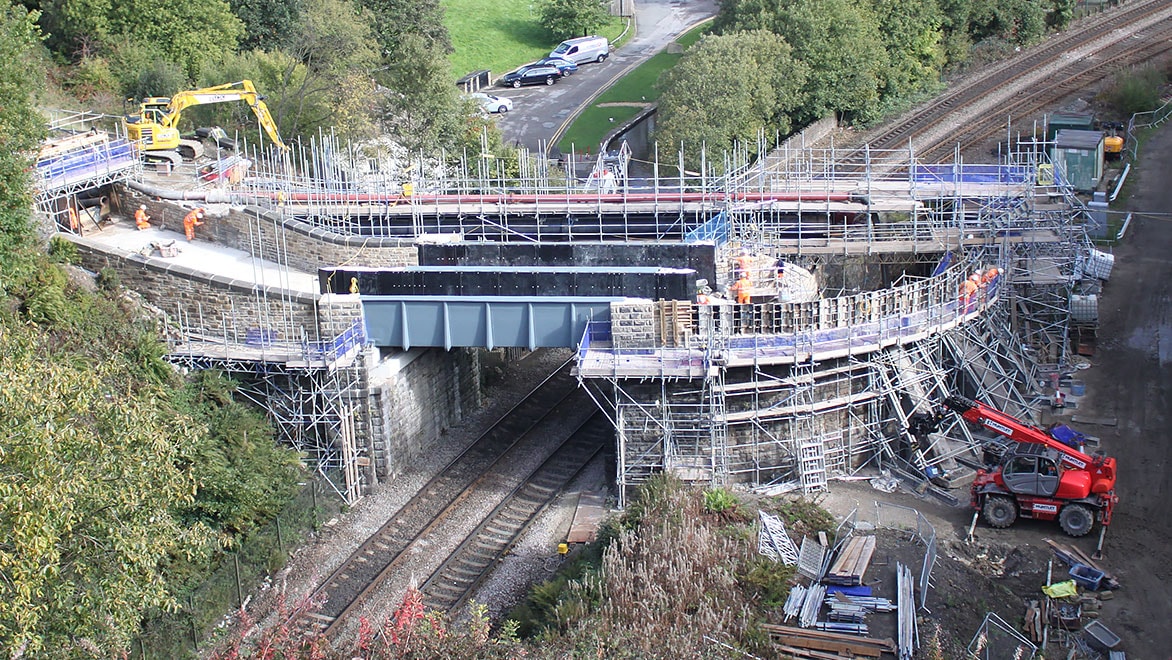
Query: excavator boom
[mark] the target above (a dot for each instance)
(158, 118)
(1015, 429)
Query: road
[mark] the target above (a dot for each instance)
(540, 112)
(1131, 381)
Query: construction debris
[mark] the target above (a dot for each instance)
(774, 542)
(1072, 556)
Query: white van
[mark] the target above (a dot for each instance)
(583, 49)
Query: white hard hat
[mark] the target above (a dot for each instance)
(199, 214)
(142, 206)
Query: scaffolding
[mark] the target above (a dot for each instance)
(74, 167)
(796, 394)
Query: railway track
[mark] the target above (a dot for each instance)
(451, 585)
(380, 555)
(976, 109)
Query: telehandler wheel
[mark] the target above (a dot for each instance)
(1076, 519)
(999, 511)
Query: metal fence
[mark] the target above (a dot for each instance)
(899, 518)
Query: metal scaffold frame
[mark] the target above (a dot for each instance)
(793, 421)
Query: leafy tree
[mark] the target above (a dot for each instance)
(243, 476)
(1061, 14)
(420, 107)
(838, 40)
(21, 130)
(1013, 21)
(88, 485)
(726, 89)
(572, 18)
(267, 22)
(912, 36)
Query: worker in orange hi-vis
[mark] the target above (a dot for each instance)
(191, 221)
(141, 219)
(743, 288)
(968, 293)
(744, 262)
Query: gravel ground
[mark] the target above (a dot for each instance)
(339, 537)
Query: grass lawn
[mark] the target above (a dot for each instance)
(500, 35)
(638, 86)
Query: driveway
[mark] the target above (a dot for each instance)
(540, 113)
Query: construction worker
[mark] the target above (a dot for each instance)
(968, 293)
(141, 219)
(744, 263)
(354, 285)
(191, 221)
(743, 288)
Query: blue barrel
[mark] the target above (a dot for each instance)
(1077, 388)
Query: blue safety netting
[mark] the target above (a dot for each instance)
(962, 173)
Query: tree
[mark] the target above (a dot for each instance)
(21, 130)
(89, 483)
(838, 40)
(726, 89)
(267, 22)
(573, 18)
(911, 32)
(1013, 21)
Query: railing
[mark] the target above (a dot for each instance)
(331, 350)
(95, 159)
(1148, 119)
(786, 332)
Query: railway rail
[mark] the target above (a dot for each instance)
(368, 567)
(977, 108)
(459, 576)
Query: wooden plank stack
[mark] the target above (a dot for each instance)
(805, 643)
(1073, 555)
(852, 562)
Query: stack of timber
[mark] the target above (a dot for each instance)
(852, 562)
(803, 643)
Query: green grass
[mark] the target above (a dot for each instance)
(500, 35)
(638, 86)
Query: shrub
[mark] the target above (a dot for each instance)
(62, 251)
(1137, 90)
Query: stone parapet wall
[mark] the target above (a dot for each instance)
(632, 324)
(204, 301)
(263, 233)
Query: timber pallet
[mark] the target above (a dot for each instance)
(810, 642)
(852, 562)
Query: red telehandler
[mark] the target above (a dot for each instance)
(1039, 475)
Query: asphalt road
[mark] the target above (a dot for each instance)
(1131, 382)
(540, 113)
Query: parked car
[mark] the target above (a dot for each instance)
(563, 65)
(583, 49)
(531, 75)
(493, 104)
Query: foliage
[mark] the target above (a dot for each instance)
(1015, 21)
(244, 476)
(21, 129)
(768, 580)
(839, 42)
(726, 90)
(89, 478)
(62, 251)
(1137, 90)
(573, 18)
(267, 22)
(720, 500)
(912, 36)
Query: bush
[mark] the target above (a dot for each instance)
(109, 281)
(62, 251)
(1137, 90)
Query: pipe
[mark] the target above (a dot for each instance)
(209, 196)
(1123, 229)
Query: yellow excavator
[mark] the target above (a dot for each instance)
(155, 127)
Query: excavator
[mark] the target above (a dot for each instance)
(1041, 474)
(155, 127)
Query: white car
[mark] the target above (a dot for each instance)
(493, 104)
